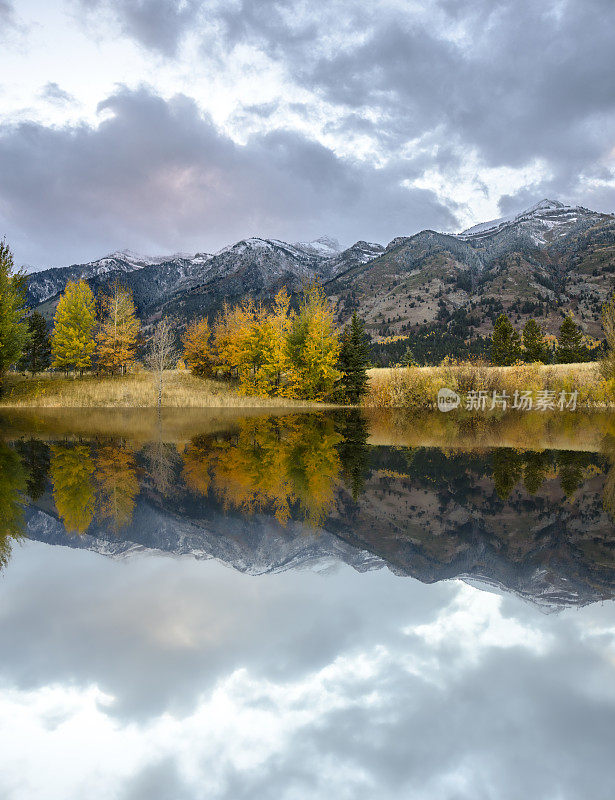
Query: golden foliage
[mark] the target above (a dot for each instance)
(118, 332)
(116, 476)
(275, 465)
(197, 351)
(72, 474)
(72, 342)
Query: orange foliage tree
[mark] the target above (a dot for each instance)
(197, 349)
(119, 330)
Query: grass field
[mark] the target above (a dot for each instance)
(417, 387)
(411, 387)
(138, 390)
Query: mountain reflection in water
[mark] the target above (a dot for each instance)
(427, 497)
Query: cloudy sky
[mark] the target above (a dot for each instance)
(168, 125)
(155, 678)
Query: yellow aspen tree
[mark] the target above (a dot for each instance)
(119, 331)
(313, 347)
(277, 325)
(72, 341)
(197, 348)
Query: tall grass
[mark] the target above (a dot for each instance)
(417, 387)
(137, 390)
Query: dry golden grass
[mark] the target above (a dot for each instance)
(417, 387)
(138, 390)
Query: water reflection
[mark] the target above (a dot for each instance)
(266, 493)
(188, 679)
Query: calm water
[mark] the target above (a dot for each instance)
(307, 606)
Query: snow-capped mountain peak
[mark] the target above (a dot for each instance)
(325, 246)
(545, 214)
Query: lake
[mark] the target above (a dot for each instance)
(318, 605)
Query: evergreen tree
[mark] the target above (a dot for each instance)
(119, 331)
(506, 343)
(72, 342)
(35, 456)
(534, 348)
(197, 349)
(608, 326)
(408, 359)
(36, 356)
(13, 326)
(570, 345)
(353, 360)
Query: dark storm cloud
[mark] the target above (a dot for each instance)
(156, 24)
(158, 174)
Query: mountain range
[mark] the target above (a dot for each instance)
(421, 514)
(543, 262)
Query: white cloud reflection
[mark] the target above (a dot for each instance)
(162, 678)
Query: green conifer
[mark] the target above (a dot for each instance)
(36, 356)
(534, 348)
(354, 360)
(570, 343)
(506, 343)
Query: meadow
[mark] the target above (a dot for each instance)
(395, 387)
(417, 387)
(136, 390)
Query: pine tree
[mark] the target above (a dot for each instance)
(197, 348)
(570, 343)
(312, 348)
(36, 356)
(608, 326)
(408, 359)
(72, 342)
(13, 326)
(506, 344)
(35, 456)
(119, 330)
(534, 348)
(353, 360)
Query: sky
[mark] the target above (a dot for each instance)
(168, 126)
(152, 678)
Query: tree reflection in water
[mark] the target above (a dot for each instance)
(12, 490)
(279, 464)
(288, 467)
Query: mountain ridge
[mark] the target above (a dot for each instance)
(544, 261)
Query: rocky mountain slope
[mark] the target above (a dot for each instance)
(543, 262)
(546, 261)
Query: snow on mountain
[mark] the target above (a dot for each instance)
(325, 246)
(542, 216)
